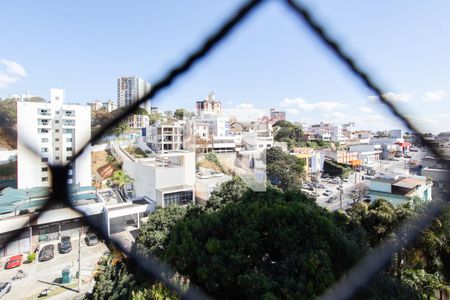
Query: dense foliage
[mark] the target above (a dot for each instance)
(279, 244)
(266, 245)
(283, 169)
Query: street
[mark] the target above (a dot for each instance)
(42, 275)
(396, 166)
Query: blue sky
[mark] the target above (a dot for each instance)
(271, 61)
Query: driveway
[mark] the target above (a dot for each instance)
(42, 275)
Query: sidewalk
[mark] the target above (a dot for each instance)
(74, 295)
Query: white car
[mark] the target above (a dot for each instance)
(327, 193)
(5, 288)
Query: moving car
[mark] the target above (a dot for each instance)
(91, 239)
(46, 253)
(66, 245)
(14, 261)
(5, 288)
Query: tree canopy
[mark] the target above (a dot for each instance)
(283, 170)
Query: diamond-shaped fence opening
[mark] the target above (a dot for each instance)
(63, 192)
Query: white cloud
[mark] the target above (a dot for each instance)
(245, 106)
(395, 97)
(365, 109)
(303, 105)
(434, 96)
(12, 72)
(292, 111)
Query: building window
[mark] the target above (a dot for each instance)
(44, 159)
(44, 140)
(178, 198)
(44, 169)
(44, 179)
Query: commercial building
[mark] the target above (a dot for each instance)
(19, 209)
(130, 89)
(399, 189)
(54, 131)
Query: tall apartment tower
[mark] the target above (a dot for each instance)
(55, 131)
(130, 89)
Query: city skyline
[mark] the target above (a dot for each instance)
(301, 77)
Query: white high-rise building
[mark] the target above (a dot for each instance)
(130, 89)
(55, 131)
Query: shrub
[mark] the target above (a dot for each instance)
(31, 257)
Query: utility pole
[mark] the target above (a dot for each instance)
(79, 261)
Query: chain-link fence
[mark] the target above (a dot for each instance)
(356, 278)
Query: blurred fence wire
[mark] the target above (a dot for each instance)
(356, 278)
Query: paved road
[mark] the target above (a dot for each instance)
(41, 275)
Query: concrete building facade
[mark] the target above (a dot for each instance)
(55, 131)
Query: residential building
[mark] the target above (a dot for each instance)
(167, 136)
(130, 89)
(337, 134)
(206, 182)
(276, 115)
(168, 178)
(135, 121)
(323, 130)
(55, 132)
(399, 189)
(209, 106)
(313, 160)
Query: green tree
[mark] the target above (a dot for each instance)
(120, 178)
(181, 113)
(262, 247)
(155, 117)
(283, 170)
(120, 129)
(228, 192)
(152, 238)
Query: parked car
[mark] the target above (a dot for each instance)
(5, 288)
(66, 245)
(327, 193)
(46, 253)
(14, 261)
(91, 239)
